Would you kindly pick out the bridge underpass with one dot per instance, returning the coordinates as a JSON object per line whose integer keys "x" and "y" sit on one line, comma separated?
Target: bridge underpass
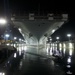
{"x": 36, "y": 29}
{"x": 32, "y": 56}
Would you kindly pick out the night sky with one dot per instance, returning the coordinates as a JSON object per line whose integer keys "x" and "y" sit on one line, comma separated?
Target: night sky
{"x": 42, "y": 7}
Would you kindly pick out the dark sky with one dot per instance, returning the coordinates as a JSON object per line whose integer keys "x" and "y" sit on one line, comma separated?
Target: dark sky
{"x": 42, "y": 6}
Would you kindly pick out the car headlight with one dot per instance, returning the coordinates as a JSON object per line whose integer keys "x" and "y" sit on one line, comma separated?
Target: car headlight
{"x": 2, "y": 73}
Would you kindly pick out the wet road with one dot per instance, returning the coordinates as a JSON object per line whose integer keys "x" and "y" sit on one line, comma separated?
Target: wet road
{"x": 29, "y": 63}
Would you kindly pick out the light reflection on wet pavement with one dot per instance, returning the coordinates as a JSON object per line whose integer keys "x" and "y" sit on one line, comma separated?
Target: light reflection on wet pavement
{"x": 30, "y": 63}
{"x": 27, "y": 64}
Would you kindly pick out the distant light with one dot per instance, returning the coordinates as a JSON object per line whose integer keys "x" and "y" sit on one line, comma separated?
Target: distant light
{"x": 69, "y": 60}
{"x": 15, "y": 38}
{"x": 64, "y": 50}
{"x": 69, "y": 72}
{"x": 57, "y": 38}
{"x": 7, "y": 35}
{"x": 68, "y": 35}
{"x": 14, "y": 45}
{"x": 19, "y": 29}
{"x": 70, "y": 45}
{"x": 7, "y": 44}
{"x": 68, "y": 66}
{"x": 15, "y": 55}
{"x": 2, "y": 73}
{"x": 64, "y": 45}
{"x": 53, "y": 30}
{"x": 60, "y": 48}
{"x": 23, "y": 34}
{"x": 11, "y": 44}
{"x": 60, "y": 45}
{"x": 8, "y": 61}
{"x": 50, "y": 39}
{"x": 19, "y": 39}
{"x": 70, "y": 52}
{"x": 3, "y": 21}
{"x": 25, "y": 47}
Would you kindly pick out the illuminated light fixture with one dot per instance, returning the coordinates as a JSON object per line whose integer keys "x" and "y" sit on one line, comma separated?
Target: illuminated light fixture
{"x": 60, "y": 48}
{"x": 53, "y": 30}
{"x": 70, "y": 52}
{"x": 15, "y": 55}
{"x": 23, "y": 34}
{"x": 69, "y": 35}
{"x": 60, "y": 45}
{"x": 64, "y": 50}
{"x": 7, "y": 44}
{"x": 7, "y": 35}
{"x": 69, "y": 60}
{"x": 70, "y": 45}
{"x": 8, "y": 62}
{"x": 15, "y": 38}
{"x": 64, "y": 45}
{"x": 68, "y": 66}
{"x": 57, "y": 38}
{"x": 19, "y": 39}
{"x": 50, "y": 39}
{"x": 19, "y": 29}
{"x": 2, "y": 73}
{"x": 3, "y": 21}
{"x": 69, "y": 73}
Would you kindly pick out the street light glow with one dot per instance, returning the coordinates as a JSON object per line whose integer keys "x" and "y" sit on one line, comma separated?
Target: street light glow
{"x": 15, "y": 38}
{"x": 3, "y": 21}
{"x": 68, "y": 35}
{"x": 19, "y": 39}
{"x": 50, "y": 39}
{"x": 7, "y": 35}
{"x": 69, "y": 60}
{"x": 53, "y": 30}
{"x": 57, "y": 38}
{"x": 19, "y": 29}
{"x": 23, "y": 34}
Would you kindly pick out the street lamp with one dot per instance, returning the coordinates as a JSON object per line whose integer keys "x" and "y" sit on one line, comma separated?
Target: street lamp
{"x": 53, "y": 30}
{"x": 2, "y": 21}
{"x": 7, "y": 35}
{"x": 15, "y": 38}
{"x": 50, "y": 40}
{"x": 20, "y": 39}
{"x": 69, "y": 35}
{"x": 57, "y": 38}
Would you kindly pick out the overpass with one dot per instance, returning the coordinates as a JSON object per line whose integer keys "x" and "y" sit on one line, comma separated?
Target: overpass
{"x": 35, "y": 54}
{"x": 36, "y": 29}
